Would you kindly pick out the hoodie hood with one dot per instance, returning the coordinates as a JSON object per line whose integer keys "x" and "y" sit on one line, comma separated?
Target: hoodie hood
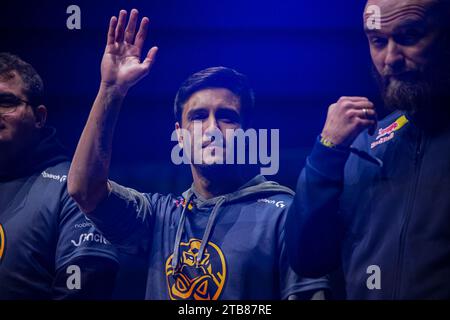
{"x": 47, "y": 153}
{"x": 256, "y": 187}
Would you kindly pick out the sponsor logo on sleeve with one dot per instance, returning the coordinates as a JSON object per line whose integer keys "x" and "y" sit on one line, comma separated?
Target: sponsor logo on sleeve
{"x": 57, "y": 177}
{"x": 83, "y": 225}
{"x": 386, "y": 134}
{"x": 90, "y": 237}
{"x": 278, "y": 204}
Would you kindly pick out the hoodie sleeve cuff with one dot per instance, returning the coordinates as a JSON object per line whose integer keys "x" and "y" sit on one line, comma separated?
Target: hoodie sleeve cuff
{"x": 327, "y": 161}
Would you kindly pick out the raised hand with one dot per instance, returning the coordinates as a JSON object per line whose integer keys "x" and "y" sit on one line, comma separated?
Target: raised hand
{"x": 121, "y": 65}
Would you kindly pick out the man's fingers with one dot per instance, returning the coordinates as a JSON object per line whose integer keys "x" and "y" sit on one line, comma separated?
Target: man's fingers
{"x": 369, "y": 118}
{"x": 371, "y": 115}
{"x": 142, "y": 33}
{"x": 368, "y": 114}
{"x": 363, "y": 113}
{"x": 362, "y": 104}
{"x": 120, "y": 29}
{"x": 354, "y": 99}
{"x": 150, "y": 58}
{"x": 111, "y": 31}
{"x": 131, "y": 27}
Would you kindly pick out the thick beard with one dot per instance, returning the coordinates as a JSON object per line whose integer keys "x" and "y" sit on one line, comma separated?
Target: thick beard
{"x": 428, "y": 90}
{"x": 411, "y": 96}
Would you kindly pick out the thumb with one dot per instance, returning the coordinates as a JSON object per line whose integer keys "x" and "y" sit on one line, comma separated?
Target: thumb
{"x": 150, "y": 58}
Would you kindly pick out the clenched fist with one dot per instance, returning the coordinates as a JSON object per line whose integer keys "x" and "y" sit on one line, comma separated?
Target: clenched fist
{"x": 347, "y": 118}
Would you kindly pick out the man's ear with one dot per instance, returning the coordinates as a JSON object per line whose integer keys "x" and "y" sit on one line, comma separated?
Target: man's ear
{"x": 179, "y": 134}
{"x": 40, "y": 113}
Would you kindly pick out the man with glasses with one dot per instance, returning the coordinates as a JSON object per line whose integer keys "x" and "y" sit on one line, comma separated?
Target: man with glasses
{"x": 47, "y": 248}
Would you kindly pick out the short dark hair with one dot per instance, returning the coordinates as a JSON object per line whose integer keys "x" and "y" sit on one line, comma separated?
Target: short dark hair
{"x": 217, "y": 77}
{"x": 33, "y": 84}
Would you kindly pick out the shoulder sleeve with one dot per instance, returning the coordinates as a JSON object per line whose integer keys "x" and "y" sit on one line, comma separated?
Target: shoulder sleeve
{"x": 313, "y": 228}
{"x": 126, "y": 218}
{"x": 96, "y": 279}
{"x": 77, "y": 236}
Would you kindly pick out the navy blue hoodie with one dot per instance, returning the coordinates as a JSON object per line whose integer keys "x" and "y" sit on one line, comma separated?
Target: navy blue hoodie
{"x": 387, "y": 226}
{"x": 42, "y": 233}
{"x": 230, "y": 247}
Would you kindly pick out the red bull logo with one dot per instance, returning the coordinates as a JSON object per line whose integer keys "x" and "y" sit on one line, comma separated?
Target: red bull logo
{"x": 388, "y": 133}
{"x": 197, "y": 281}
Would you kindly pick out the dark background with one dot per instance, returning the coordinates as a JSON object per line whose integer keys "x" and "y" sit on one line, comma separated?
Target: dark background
{"x": 300, "y": 56}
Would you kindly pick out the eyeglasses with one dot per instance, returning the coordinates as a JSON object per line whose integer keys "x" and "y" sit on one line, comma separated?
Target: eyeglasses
{"x": 9, "y": 103}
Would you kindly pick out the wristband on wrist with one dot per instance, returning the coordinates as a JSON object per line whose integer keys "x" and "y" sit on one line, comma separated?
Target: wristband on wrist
{"x": 327, "y": 143}
{"x": 362, "y": 154}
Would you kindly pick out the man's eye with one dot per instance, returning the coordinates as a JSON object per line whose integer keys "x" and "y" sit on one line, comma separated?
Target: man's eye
{"x": 410, "y": 37}
{"x": 229, "y": 117}
{"x": 7, "y": 104}
{"x": 228, "y": 120}
{"x": 378, "y": 41}
{"x": 197, "y": 117}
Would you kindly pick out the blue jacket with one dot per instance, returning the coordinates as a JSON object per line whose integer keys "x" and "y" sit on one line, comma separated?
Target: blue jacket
{"x": 387, "y": 226}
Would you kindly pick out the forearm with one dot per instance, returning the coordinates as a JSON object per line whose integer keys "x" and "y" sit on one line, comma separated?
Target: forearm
{"x": 88, "y": 175}
{"x": 121, "y": 68}
{"x": 313, "y": 227}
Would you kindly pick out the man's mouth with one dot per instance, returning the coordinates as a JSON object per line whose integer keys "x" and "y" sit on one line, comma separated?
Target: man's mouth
{"x": 406, "y": 76}
{"x": 211, "y": 144}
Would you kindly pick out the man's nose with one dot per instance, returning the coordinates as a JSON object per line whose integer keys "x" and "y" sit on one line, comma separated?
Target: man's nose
{"x": 211, "y": 124}
{"x": 394, "y": 58}
{"x": 211, "y": 129}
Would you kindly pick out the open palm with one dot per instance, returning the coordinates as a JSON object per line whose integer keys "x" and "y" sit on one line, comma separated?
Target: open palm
{"x": 121, "y": 64}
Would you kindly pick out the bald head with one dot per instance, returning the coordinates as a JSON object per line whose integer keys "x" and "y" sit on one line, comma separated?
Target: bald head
{"x": 402, "y": 3}
{"x": 436, "y": 10}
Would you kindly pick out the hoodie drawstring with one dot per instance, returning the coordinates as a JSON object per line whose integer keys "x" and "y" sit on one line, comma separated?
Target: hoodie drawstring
{"x": 206, "y": 235}
{"x": 176, "y": 249}
{"x": 259, "y": 186}
{"x": 209, "y": 226}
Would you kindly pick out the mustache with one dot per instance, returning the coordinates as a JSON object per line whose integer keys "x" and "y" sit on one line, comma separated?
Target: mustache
{"x": 387, "y": 76}
{"x": 404, "y": 76}
{"x": 210, "y": 142}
